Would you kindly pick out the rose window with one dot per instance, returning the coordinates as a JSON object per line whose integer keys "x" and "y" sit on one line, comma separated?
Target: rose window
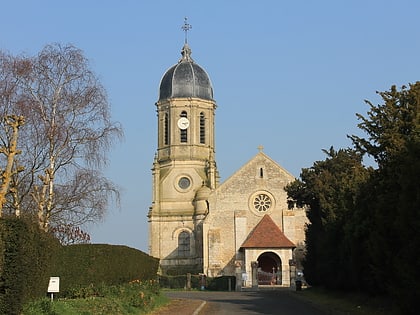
{"x": 184, "y": 182}
{"x": 262, "y": 202}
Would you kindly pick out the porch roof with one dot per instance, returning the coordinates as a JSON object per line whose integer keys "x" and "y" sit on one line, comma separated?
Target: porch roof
{"x": 267, "y": 234}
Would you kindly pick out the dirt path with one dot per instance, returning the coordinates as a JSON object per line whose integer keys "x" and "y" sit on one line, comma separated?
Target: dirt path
{"x": 179, "y": 306}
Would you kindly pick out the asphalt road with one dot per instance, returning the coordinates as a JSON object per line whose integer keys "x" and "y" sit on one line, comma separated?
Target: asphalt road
{"x": 278, "y": 302}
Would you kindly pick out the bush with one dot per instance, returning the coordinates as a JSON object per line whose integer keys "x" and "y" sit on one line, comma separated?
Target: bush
{"x": 129, "y": 298}
{"x": 221, "y": 283}
{"x": 29, "y": 257}
{"x": 42, "y": 306}
{"x": 182, "y": 270}
{"x": 213, "y": 284}
{"x": 177, "y": 282}
{"x": 84, "y": 265}
{"x": 26, "y": 258}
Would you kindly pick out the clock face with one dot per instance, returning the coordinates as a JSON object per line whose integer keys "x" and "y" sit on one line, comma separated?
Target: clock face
{"x": 183, "y": 123}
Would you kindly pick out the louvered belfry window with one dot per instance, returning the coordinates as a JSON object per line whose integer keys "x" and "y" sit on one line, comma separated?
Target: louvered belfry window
{"x": 202, "y": 128}
{"x": 184, "y": 134}
{"x": 166, "y": 129}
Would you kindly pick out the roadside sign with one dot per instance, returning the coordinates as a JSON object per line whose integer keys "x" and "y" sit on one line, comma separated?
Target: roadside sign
{"x": 54, "y": 285}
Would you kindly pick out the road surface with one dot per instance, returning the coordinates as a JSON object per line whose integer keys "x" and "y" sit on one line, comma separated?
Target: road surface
{"x": 276, "y": 302}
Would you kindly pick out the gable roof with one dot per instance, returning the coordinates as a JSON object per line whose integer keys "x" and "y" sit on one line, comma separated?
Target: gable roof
{"x": 267, "y": 234}
{"x": 260, "y": 156}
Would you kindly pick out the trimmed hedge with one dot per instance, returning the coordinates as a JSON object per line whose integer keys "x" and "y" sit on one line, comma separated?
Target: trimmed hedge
{"x": 85, "y": 265}
{"x": 182, "y": 270}
{"x": 29, "y": 257}
{"x": 178, "y": 282}
{"x": 211, "y": 284}
{"x": 221, "y": 283}
{"x": 26, "y": 259}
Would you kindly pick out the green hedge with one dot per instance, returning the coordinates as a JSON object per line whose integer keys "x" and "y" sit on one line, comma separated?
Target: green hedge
{"x": 221, "y": 283}
{"x": 26, "y": 259}
{"x": 97, "y": 264}
{"x": 29, "y": 257}
{"x": 182, "y": 270}
{"x": 212, "y": 284}
{"x": 178, "y": 282}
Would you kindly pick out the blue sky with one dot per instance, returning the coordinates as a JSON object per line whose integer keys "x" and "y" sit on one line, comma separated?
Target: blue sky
{"x": 288, "y": 75}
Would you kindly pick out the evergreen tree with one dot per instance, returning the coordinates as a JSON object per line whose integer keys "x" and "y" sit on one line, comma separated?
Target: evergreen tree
{"x": 328, "y": 190}
{"x": 391, "y": 222}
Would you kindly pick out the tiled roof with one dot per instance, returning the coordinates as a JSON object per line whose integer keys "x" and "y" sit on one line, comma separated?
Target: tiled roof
{"x": 267, "y": 235}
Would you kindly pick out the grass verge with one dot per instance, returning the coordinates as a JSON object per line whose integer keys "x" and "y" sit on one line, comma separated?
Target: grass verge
{"x": 339, "y": 302}
{"x": 133, "y": 298}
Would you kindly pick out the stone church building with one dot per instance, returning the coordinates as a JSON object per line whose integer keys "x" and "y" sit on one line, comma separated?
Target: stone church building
{"x": 241, "y": 227}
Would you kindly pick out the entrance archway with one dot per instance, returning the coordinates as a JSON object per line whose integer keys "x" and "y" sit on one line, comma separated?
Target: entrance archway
{"x": 269, "y": 269}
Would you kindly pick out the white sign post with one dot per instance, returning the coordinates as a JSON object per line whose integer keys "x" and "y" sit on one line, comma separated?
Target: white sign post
{"x": 54, "y": 286}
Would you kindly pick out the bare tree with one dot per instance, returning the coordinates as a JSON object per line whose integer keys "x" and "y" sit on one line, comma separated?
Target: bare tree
{"x": 9, "y": 132}
{"x": 12, "y": 123}
{"x": 67, "y": 136}
{"x": 69, "y": 234}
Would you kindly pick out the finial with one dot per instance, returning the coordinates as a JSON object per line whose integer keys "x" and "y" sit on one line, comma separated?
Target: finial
{"x": 260, "y": 148}
{"x": 186, "y": 27}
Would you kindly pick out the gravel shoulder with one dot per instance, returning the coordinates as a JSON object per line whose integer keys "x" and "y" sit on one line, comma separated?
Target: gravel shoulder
{"x": 178, "y": 306}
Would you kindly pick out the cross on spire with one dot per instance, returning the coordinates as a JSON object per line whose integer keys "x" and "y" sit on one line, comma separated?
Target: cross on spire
{"x": 186, "y": 27}
{"x": 260, "y": 148}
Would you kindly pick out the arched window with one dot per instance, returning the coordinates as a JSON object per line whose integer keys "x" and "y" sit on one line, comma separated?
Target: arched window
{"x": 261, "y": 172}
{"x": 166, "y": 129}
{"x": 202, "y": 128}
{"x": 184, "y": 244}
{"x": 183, "y": 132}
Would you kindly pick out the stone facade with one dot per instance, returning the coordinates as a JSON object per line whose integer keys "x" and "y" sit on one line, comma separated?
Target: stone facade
{"x": 197, "y": 224}
{"x": 235, "y": 210}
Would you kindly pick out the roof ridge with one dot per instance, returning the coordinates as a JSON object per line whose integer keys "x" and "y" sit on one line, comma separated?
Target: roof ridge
{"x": 267, "y": 234}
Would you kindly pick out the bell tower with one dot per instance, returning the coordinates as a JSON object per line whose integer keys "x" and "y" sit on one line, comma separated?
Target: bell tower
{"x": 184, "y": 169}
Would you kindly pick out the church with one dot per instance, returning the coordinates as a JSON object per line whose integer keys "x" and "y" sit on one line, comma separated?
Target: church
{"x": 241, "y": 227}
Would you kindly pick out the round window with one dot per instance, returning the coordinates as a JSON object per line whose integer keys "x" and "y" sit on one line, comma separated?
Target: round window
{"x": 262, "y": 202}
{"x": 184, "y": 182}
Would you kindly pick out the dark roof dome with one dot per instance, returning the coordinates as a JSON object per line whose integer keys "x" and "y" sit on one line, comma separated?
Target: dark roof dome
{"x": 186, "y": 79}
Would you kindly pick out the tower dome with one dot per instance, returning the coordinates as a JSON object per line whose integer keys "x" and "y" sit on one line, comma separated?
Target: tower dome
{"x": 186, "y": 79}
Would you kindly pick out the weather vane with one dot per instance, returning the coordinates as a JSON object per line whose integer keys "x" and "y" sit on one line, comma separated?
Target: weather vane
{"x": 186, "y": 27}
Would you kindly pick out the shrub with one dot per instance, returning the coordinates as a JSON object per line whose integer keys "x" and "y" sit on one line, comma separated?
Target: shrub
{"x": 128, "y": 298}
{"x": 84, "y": 265}
{"x": 175, "y": 282}
{"x": 221, "y": 283}
{"x": 180, "y": 282}
{"x": 27, "y": 257}
{"x": 41, "y": 306}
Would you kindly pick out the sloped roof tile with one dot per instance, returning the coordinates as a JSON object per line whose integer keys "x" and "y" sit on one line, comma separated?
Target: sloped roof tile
{"x": 267, "y": 234}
